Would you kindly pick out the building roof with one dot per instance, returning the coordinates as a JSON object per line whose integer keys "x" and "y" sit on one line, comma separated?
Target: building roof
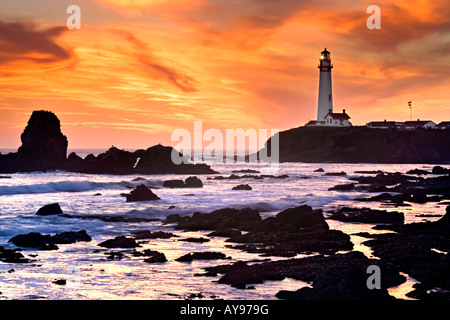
{"x": 417, "y": 123}
{"x": 444, "y": 124}
{"x": 338, "y": 116}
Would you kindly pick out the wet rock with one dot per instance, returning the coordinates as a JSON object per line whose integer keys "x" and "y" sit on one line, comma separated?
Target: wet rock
{"x": 12, "y": 256}
{"x": 228, "y": 232}
{"x": 440, "y": 170}
{"x": 119, "y": 242}
{"x": 191, "y": 182}
{"x": 245, "y": 171}
{"x": 47, "y": 242}
{"x": 173, "y": 218}
{"x": 201, "y": 256}
{"x": 330, "y": 276}
{"x": 112, "y": 255}
{"x": 367, "y": 215}
{"x": 319, "y": 170}
{"x": 147, "y": 234}
{"x": 31, "y": 240}
{"x": 60, "y": 282}
{"x": 195, "y": 240}
{"x": 411, "y": 249}
{"x": 70, "y": 237}
{"x": 224, "y": 218}
{"x": 49, "y": 209}
{"x": 343, "y": 187}
{"x": 154, "y": 256}
{"x": 417, "y": 171}
{"x": 242, "y": 187}
{"x": 336, "y": 174}
{"x": 141, "y": 193}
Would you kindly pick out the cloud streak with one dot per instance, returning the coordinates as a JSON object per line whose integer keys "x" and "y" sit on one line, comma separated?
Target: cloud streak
{"x": 156, "y": 69}
{"x": 23, "y": 41}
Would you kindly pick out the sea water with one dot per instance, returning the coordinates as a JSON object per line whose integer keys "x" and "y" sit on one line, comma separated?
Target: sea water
{"x": 89, "y": 274}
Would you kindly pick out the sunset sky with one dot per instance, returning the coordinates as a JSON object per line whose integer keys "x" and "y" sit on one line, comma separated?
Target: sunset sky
{"x": 138, "y": 69}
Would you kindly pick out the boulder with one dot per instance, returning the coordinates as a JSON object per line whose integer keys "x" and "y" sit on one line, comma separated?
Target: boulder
{"x": 343, "y": 187}
{"x": 154, "y": 256}
{"x": 301, "y": 217}
{"x": 440, "y": 170}
{"x": 119, "y": 242}
{"x": 367, "y": 215}
{"x": 319, "y": 170}
{"x": 147, "y": 234}
{"x": 201, "y": 256}
{"x": 242, "y": 187}
{"x": 12, "y": 256}
{"x": 342, "y": 173}
{"x": 141, "y": 193}
{"x": 191, "y": 182}
{"x": 47, "y": 242}
{"x": 49, "y": 209}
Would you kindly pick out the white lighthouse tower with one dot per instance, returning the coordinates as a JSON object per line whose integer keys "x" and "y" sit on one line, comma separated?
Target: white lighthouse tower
{"x": 325, "y": 92}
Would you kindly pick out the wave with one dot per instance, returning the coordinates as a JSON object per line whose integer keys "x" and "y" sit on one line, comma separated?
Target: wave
{"x": 63, "y": 186}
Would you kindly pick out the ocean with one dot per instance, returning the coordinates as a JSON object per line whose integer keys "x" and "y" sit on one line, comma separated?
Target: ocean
{"x": 91, "y": 275}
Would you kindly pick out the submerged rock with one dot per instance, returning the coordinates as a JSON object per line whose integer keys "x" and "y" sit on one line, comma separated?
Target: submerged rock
{"x": 12, "y": 256}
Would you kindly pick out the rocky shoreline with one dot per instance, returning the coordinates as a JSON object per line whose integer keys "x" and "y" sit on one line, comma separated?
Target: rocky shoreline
{"x": 332, "y": 268}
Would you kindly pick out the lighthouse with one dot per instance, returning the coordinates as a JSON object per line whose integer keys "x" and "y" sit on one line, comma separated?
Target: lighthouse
{"x": 325, "y": 92}
{"x": 325, "y": 114}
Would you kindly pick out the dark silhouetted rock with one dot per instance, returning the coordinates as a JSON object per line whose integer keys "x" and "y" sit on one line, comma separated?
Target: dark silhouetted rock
{"x": 12, "y": 256}
{"x": 440, "y": 170}
{"x": 245, "y": 171}
{"x": 154, "y": 256}
{"x": 147, "y": 234}
{"x": 43, "y": 147}
{"x": 119, "y": 242}
{"x": 49, "y": 209}
{"x": 367, "y": 215}
{"x": 319, "y": 170}
{"x": 417, "y": 171}
{"x": 71, "y": 237}
{"x": 343, "y": 187}
{"x": 242, "y": 187}
{"x": 60, "y": 282}
{"x": 242, "y": 219}
{"x": 47, "y": 242}
{"x": 141, "y": 193}
{"x": 31, "y": 240}
{"x": 195, "y": 240}
{"x": 335, "y": 174}
{"x": 201, "y": 256}
{"x": 229, "y": 232}
{"x": 191, "y": 182}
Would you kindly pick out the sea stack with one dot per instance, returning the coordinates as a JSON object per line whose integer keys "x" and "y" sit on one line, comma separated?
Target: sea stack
{"x": 43, "y": 148}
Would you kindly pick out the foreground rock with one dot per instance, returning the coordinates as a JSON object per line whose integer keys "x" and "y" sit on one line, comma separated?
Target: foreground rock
{"x": 147, "y": 234}
{"x": 119, "y": 242}
{"x": 141, "y": 193}
{"x": 201, "y": 256}
{"x": 47, "y": 242}
{"x": 367, "y": 215}
{"x": 341, "y": 276}
{"x": 49, "y": 209}
{"x": 12, "y": 256}
{"x": 241, "y": 219}
{"x": 419, "y": 249}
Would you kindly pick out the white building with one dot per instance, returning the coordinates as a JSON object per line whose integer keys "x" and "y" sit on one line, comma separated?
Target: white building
{"x": 419, "y": 124}
{"x": 325, "y": 114}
